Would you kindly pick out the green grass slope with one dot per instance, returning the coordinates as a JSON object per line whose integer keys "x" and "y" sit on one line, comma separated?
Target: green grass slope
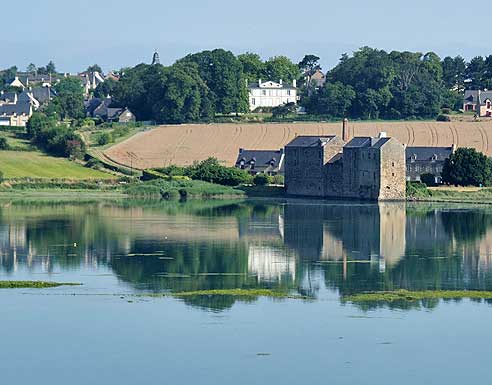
{"x": 16, "y": 164}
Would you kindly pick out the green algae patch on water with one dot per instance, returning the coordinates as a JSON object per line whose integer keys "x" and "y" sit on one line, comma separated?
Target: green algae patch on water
{"x": 33, "y": 284}
{"x": 411, "y": 296}
{"x": 244, "y": 293}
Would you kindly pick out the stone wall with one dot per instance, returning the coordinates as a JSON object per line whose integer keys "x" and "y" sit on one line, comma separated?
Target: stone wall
{"x": 393, "y": 171}
{"x": 304, "y": 171}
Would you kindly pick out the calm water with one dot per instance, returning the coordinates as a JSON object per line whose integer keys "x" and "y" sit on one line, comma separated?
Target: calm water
{"x": 99, "y": 334}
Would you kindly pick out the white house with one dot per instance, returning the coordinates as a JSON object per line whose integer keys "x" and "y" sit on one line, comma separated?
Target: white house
{"x": 271, "y": 94}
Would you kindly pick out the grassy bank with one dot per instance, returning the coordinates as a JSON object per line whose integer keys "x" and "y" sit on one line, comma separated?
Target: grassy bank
{"x": 33, "y": 284}
{"x": 34, "y": 164}
{"x": 411, "y": 296}
{"x": 419, "y": 192}
{"x": 175, "y": 189}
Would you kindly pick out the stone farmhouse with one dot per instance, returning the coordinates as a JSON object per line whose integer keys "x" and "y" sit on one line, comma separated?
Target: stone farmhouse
{"x": 427, "y": 160}
{"x": 361, "y": 168}
{"x": 271, "y": 94}
{"x": 479, "y": 102}
{"x": 268, "y": 162}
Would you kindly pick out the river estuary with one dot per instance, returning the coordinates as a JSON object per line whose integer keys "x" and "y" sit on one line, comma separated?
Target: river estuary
{"x": 115, "y": 329}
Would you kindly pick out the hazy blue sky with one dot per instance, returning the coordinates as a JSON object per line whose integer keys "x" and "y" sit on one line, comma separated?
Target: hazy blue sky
{"x": 122, "y": 33}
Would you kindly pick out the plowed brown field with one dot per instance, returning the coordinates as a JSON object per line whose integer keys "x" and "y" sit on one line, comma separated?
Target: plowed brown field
{"x": 183, "y": 144}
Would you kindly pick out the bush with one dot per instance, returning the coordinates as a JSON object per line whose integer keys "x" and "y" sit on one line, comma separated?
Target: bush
{"x": 3, "y": 143}
{"x": 262, "y": 180}
{"x": 210, "y": 170}
{"x": 446, "y": 110}
{"x": 104, "y": 138}
{"x": 56, "y": 139}
{"x": 428, "y": 179}
{"x": 278, "y": 180}
{"x": 94, "y": 163}
{"x": 443, "y": 118}
{"x": 417, "y": 190}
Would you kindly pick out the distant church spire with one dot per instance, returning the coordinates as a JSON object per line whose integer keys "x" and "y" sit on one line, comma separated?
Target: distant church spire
{"x": 155, "y": 58}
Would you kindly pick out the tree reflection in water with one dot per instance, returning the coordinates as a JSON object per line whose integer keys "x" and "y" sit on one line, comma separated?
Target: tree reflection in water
{"x": 293, "y": 246}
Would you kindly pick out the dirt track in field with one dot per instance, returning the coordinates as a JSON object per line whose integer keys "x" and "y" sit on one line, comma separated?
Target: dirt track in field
{"x": 184, "y": 144}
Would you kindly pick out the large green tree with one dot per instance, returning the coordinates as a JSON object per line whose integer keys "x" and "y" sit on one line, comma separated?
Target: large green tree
{"x": 281, "y": 68}
{"x": 69, "y": 101}
{"x": 467, "y": 167}
{"x": 222, "y": 72}
{"x": 253, "y": 66}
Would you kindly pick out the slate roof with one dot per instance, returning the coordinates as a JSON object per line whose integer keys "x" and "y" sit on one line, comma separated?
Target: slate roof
{"x": 471, "y": 96}
{"x": 42, "y": 94}
{"x": 425, "y": 154}
{"x": 366, "y": 141}
{"x": 19, "y": 109}
{"x": 113, "y": 113}
{"x": 309, "y": 141}
{"x": 7, "y": 96}
{"x": 261, "y": 157}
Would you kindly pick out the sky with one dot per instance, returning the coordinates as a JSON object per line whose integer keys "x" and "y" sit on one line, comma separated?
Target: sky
{"x": 116, "y": 34}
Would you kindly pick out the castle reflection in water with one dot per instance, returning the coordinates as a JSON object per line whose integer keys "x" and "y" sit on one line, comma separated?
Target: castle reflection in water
{"x": 346, "y": 246}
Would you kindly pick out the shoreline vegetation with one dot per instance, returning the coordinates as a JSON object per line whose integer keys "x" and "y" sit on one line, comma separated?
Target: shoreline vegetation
{"x": 34, "y": 284}
{"x": 161, "y": 189}
{"x": 413, "y": 296}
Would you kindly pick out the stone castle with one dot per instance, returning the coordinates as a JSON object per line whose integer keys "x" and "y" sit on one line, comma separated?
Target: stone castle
{"x": 361, "y": 168}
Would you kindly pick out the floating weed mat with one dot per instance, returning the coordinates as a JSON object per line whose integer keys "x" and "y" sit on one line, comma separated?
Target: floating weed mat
{"x": 33, "y": 284}
{"x": 253, "y": 293}
{"x": 411, "y": 296}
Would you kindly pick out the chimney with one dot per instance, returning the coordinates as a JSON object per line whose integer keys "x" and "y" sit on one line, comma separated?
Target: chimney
{"x": 259, "y": 82}
{"x": 479, "y": 102}
{"x": 280, "y": 82}
{"x": 345, "y": 131}
{"x": 453, "y": 148}
{"x": 241, "y": 150}
{"x": 294, "y": 83}
{"x": 383, "y": 135}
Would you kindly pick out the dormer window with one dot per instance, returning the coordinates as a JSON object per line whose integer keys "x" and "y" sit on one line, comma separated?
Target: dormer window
{"x": 413, "y": 158}
{"x": 434, "y": 157}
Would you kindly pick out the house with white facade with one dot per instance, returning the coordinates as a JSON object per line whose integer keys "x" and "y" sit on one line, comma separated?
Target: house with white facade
{"x": 271, "y": 94}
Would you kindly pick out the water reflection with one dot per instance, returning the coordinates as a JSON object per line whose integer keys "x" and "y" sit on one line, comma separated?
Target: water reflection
{"x": 306, "y": 247}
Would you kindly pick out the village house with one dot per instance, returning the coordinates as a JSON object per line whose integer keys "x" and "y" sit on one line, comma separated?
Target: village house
{"x": 15, "y": 115}
{"x": 90, "y": 81}
{"x": 426, "y": 160}
{"x": 270, "y": 162}
{"x": 479, "y": 102}
{"x": 362, "y": 168}
{"x": 102, "y": 109}
{"x": 271, "y": 94}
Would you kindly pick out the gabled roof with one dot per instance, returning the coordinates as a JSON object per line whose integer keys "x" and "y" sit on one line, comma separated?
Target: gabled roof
{"x": 471, "y": 96}
{"x": 310, "y": 141}
{"x": 113, "y": 113}
{"x": 19, "y": 108}
{"x": 260, "y": 157}
{"x": 42, "y": 94}
{"x": 428, "y": 153}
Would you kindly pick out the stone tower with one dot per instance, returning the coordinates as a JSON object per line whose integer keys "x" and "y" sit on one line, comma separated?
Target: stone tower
{"x": 155, "y": 58}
